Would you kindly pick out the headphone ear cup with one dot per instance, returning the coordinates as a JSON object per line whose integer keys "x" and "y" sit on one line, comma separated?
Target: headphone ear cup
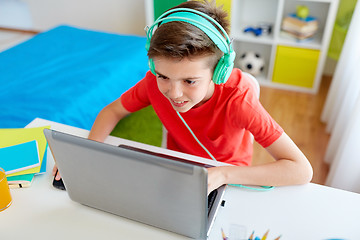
{"x": 217, "y": 79}
{"x": 152, "y": 66}
{"x": 227, "y": 72}
{"x": 223, "y": 68}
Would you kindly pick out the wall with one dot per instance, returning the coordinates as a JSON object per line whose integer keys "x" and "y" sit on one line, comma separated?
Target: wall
{"x": 118, "y": 16}
{"x": 330, "y": 66}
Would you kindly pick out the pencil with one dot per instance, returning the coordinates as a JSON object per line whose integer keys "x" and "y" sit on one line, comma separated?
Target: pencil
{"x": 19, "y": 185}
{"x": 223, "y": 234}
{"x": 278, "y": 238}
{"x": 265, "y": 235}
{"x": 252, "y": 236}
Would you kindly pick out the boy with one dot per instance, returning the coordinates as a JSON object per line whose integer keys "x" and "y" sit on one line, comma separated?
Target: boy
{"x": 184, "y": 59}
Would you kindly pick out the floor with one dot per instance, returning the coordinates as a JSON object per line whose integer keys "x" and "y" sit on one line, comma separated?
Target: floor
{"x": 299, "y": 115}
{"x": 11, "y": 38}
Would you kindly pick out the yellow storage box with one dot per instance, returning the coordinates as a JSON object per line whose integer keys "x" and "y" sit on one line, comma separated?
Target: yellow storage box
{"x": 295, "y": 66}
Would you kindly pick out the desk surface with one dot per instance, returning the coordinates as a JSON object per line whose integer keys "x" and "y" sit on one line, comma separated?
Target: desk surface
{"x": 9, "y": 39}
{"x": 296, "y": 212}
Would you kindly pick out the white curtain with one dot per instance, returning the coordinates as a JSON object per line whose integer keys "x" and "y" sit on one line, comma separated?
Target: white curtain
{"x": 342, "y": 113}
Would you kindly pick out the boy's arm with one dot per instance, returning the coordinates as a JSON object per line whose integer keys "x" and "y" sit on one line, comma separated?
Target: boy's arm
{"x": 290, "y": 168}
{"x": 106, "y": 120}
{"x": 104, "y": 123}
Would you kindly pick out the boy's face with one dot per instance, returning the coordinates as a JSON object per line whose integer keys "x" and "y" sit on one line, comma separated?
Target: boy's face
{"x": 186, "y": 83}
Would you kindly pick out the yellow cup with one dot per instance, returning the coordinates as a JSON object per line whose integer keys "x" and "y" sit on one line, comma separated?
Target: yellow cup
{"x": 5, "y": 197}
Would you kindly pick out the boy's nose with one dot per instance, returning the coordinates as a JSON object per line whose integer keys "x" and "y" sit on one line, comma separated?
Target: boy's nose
{"x": 175, "y": 91}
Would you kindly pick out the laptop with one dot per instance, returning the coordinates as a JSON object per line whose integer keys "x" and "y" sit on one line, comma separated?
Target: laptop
{"x": 156, "y": 189}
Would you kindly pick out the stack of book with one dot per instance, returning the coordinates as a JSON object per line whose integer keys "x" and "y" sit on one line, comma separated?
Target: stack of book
{"x": 299, "y": 28}
{"x": 22, "y": 154}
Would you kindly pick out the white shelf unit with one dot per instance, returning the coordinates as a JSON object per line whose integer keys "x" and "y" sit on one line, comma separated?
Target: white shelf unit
{"x": 247, "y": 13}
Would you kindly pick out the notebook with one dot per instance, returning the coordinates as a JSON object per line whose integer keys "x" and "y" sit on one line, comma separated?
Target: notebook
{"x": 19, "y": 157}
{"x": 12, "y": 136}
{"x": 158, "y": 190}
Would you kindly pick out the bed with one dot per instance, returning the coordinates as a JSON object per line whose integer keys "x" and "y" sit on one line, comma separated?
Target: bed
{"x": 68, "y": 75}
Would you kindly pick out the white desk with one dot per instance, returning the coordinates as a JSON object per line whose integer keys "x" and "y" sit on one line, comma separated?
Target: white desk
{"x": 297, "y": 212}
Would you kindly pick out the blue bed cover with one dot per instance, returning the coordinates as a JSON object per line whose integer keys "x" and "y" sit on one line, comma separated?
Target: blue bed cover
{"x": 67, "y": 75}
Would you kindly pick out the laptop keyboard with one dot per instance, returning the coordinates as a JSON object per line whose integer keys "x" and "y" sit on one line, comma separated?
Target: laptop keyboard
{"x": 211, "y": 199}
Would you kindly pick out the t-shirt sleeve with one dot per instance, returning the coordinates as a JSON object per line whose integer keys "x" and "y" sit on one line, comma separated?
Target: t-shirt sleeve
{"x": 253, "y": 117}
{"x": 264, "y": 128}
{"x": 137, "y": 97}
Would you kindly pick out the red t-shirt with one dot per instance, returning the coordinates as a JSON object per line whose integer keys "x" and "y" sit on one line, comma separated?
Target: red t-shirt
{"x": 222, "y": 124}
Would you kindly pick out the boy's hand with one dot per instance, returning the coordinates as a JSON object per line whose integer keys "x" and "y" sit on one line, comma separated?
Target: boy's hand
{"x": 216, "y": 178}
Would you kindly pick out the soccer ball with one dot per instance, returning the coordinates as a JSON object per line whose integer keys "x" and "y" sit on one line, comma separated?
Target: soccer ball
{"x": 252, "y": 62}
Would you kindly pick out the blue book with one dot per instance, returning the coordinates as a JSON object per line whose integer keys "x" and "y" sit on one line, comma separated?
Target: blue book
{"x": 307, "y": 19}
{"x": 43, "y": 163}
{"x": 19, "y": 157}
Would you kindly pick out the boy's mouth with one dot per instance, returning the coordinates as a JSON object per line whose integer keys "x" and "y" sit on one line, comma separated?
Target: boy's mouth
{"x": 178, "y": 103}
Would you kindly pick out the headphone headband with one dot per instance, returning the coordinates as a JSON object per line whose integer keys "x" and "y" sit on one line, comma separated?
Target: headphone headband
{"x": 199, "y": 20}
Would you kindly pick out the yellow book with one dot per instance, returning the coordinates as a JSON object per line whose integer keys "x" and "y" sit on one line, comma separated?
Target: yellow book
{"x": 13, "y": 136}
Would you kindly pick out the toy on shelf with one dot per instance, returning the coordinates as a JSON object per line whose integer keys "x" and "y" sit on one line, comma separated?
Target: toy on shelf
{"x": 252, "y": 63}
{"x": 302, "y": 11}
{"x": 258, "y": 30}
{"x": 300, "y": 25}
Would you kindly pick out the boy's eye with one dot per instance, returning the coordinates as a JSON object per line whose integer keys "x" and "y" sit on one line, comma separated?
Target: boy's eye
{"x": 162, "y": 77}
{"x": 190, "y": 82}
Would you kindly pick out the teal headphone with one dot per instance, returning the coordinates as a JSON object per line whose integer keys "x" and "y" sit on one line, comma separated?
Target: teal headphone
{"x": 203, "y": 22}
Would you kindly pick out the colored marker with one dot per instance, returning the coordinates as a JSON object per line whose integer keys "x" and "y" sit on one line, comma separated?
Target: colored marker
{"x": 252, "y": 236}
{"x": 265, "y": 235}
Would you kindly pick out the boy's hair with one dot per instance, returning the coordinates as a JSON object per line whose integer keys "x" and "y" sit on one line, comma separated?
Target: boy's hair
{"x": 180, "y": 40}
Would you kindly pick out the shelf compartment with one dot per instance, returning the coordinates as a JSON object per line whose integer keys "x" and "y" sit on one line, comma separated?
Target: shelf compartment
{"x": 248, "y": 13}
{"x": 318, "y": 9}
{"x": 264, "y": 50}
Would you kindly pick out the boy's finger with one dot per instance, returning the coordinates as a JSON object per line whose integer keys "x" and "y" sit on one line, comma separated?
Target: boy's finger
{"x": 54, "y": 170}
{"x": 57, "y": 177}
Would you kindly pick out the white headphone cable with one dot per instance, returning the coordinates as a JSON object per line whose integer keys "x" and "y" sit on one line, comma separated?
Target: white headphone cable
{"x": 194, "y": 136}
{"x": 262, "y": 188}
